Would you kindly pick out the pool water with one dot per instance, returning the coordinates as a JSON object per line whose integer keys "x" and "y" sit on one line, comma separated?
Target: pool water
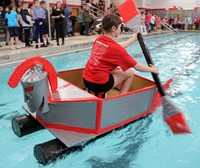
{"x": 142, "y": 144}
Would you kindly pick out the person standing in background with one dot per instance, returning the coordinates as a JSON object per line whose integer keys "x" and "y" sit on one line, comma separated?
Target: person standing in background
{"x": 58, "y": 16}
{"x": 152, "y": 22}
{"x": 196, "y": 23}
{"x": 142, "y": 16}
{"x": 46, "y": 23}
{"x": 189, "y": 23}
{"x": 39, "y": 17}
{"x": 26, "y": 21}
{"x": 81, "y": 25}
{"x": 6, "y": 27}
{"x": 13, "y": 27}
{"x": 18, "y": 10}
{"x": 147, "y": 21}
{"x": 30, "y": 10}
{"x": 186, "y": 23}
{"x": 67, "y": 14}
{"x": 73, "y": 19}
{"x": 86, "y": 19}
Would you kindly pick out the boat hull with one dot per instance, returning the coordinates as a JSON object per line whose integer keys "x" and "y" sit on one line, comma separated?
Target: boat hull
{"x": 77, "y": 121}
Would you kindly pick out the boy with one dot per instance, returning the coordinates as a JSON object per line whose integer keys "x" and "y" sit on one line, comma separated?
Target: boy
{"x": 109, "y": 64}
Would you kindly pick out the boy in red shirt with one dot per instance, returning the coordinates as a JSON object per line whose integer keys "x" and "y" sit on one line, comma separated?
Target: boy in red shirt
{"x": 109, "y": 64}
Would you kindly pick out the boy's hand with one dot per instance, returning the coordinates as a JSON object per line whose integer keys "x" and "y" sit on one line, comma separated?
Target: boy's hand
{"x": 154, "y": 69}
{"x": 135, "y": 36}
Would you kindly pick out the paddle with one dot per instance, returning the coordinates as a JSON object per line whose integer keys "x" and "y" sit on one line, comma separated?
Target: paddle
{"x": 171, "y": 114}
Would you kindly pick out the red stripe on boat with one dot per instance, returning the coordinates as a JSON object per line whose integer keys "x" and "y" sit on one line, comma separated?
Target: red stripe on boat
{"x": 98, "y": 114}
{"x": 64, "y": 127}
{"x": 29, "y": 63}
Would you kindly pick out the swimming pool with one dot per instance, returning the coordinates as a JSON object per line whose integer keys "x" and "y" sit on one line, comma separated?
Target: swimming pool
{"x": 142, "y": 144}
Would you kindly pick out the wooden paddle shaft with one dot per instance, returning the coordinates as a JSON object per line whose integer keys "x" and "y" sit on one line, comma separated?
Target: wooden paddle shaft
{"x": 150, "y": 61}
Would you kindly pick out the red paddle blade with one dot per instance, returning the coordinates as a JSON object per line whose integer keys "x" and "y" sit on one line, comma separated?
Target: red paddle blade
{"x": 174, "y": 118}
{"x": 178, "y": 124}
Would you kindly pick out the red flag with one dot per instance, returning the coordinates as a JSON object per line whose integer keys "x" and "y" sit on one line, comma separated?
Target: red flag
{"x": 128, "y": 10}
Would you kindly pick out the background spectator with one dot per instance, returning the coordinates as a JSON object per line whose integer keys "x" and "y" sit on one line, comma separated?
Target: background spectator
{"x": 26, "y": 21}
{"x": 67, "y": 14}
{"x": 86, "y": 19}
{"x": 46, "y": 23}
{"x": 39, "y": 17}
{"x": 73, "y": 20}
{"x": 58, "y": 15}
{"x": 13, "y": 26}
{"x": 81, "y": 25}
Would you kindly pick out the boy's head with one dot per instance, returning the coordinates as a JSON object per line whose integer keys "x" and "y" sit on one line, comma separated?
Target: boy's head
{"x": 109, "y": 21}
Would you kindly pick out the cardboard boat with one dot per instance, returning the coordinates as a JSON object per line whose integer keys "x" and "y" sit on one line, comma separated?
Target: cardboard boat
{"x": 60, "y": 103}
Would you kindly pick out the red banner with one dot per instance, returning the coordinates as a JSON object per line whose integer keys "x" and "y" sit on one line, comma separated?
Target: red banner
{"x": 128, "y": 10}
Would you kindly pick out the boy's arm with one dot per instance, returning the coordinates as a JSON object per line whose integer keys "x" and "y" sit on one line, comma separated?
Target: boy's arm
{"x": 129, "y": 42}
{"x": 144, "y": 68}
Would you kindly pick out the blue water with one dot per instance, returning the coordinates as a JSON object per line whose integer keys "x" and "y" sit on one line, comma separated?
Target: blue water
{"x": 142, "y": 144}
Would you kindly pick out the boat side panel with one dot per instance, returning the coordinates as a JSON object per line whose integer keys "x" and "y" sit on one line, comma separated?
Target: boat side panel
{"x": 126, "y": 107}
{"x": 74, "y": 114}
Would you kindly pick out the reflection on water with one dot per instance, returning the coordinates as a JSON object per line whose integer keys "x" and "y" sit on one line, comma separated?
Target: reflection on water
{"x": 9, "y": 115}
{"x": 130, "y": 139}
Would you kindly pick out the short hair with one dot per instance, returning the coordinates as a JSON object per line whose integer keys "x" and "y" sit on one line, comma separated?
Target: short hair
{"x": 42, "y": 2}
{"x": 109, "y": 21}
{"x": 10, "y": 7}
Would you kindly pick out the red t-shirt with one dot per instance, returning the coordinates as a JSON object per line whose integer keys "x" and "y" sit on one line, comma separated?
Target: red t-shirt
{"x": 147, "y": 19}
{"x": 105, "y": 56}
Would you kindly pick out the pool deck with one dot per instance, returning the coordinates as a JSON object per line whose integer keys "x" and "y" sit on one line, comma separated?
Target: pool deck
{"x": 9, "y": 57}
